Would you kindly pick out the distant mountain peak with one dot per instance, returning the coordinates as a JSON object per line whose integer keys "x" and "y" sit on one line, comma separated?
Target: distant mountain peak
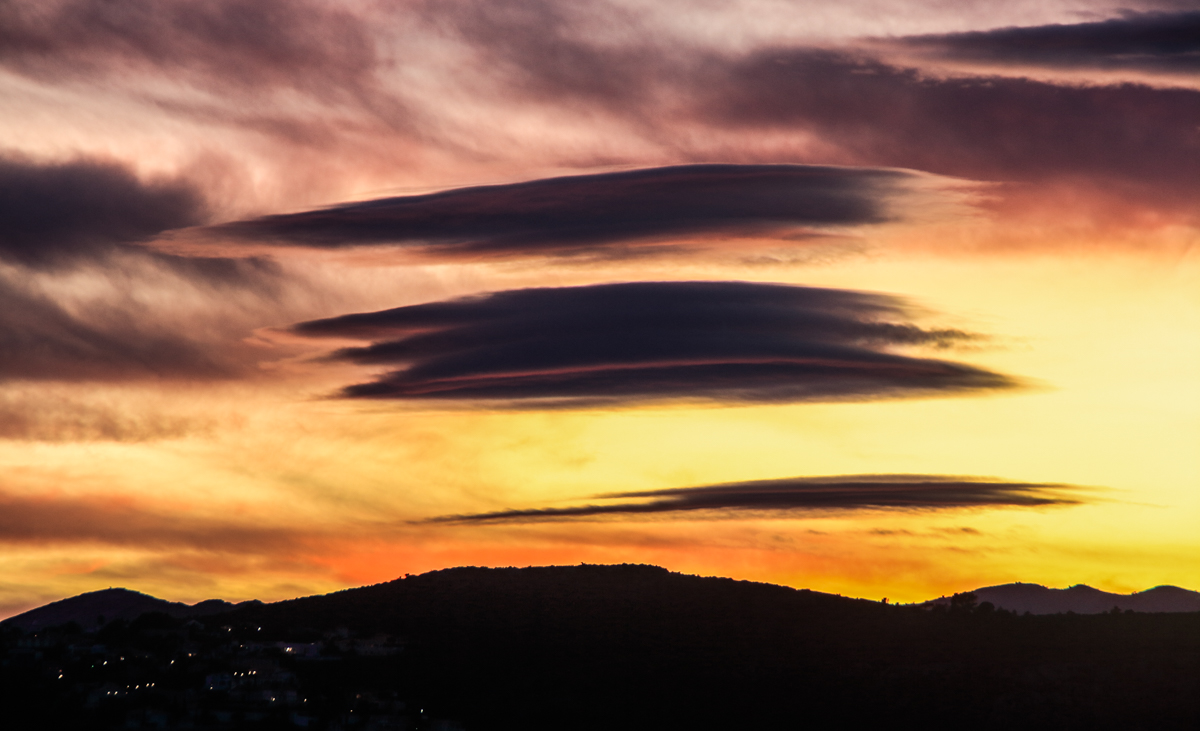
{"x": 95, "y": 608}
{"x": 1083, "y": 599}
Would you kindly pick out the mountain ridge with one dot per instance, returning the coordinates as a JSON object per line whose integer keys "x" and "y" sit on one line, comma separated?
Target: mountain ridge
{"x": 91, "y": 610}
{"x": 595, "y": 647}
{"x": 1022, "y": 597}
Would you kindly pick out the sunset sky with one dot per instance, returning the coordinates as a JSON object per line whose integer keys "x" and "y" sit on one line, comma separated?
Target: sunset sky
{"x": 875, "y": 298}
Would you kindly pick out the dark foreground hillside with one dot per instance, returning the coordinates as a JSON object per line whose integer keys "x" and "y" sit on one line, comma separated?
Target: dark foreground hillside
{"x": 637, "y": 647}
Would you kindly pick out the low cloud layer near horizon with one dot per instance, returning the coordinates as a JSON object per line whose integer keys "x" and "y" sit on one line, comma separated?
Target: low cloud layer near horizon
{"x": 644, "y": 341}
{"x": 801, "y": 495}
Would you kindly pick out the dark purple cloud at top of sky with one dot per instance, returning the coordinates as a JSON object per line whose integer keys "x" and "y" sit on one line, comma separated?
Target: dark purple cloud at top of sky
{"x": 1163, "y": 42}
{"x": 1140, "y": 139}
{"x": 614, "y": 344}
{"x": 680, "y": 94}
{"x": 798, "y": 495}
{"x": 1135, "y": 142}
{"x": 1138, "y": 142}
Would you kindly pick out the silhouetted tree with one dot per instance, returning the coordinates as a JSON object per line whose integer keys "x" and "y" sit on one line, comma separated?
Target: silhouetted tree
{"x": 964, "y": 602}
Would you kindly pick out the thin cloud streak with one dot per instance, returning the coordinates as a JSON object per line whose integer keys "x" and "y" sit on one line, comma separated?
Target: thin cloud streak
{"x": 585, "y": 213}
{"x": 1159, "y": 42}
{"x": 801, "y": 495}
{"x": 730, "y": 342}
{"x": 43, "y": 417}
{"x": 46, "y": 520}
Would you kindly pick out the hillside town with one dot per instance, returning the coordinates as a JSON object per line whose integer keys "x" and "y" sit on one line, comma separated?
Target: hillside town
{"x": 163, "y": 672}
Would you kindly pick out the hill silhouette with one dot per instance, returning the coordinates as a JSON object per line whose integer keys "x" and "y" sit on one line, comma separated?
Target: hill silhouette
{"x": 601, "y": 647}
{"x": 1082, "y": 599}
{"x": 95, "y": 608}
{"x": 592, "y": 647}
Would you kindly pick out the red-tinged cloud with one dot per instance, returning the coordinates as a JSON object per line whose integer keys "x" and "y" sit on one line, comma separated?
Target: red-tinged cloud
{"x": 799, "y": 495}
{"x": 1157, "y": 42}
{"x": 60, "y": 520}
{"x": 731, "y": 342}
{"x": 602, "y": 213}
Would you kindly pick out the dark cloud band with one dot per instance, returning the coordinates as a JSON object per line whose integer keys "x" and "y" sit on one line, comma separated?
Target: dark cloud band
{"x": 1161, "y": 42}
{"x": 53, "y": 213}
{"x": 1140, "y": 139}
{"x": 569, "y": 214}
{"x": 622, "y": 343}
{"x": 800, "y": 494}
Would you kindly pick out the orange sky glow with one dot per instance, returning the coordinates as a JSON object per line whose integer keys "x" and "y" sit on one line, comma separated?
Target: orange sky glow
{"x": 875, "y": 299}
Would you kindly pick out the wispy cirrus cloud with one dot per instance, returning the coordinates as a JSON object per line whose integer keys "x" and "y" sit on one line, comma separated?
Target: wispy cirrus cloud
{"x": 220, "y": 45}
{"x": 735, "y": 342}
{"x": 548, "y": 51}
{"x": 83, "y": 296}
{"x": 800, "y": 495}
{"x": 602, "y": 212}
{"x": 40, "y": 340}
{"x": 36, "y": 415}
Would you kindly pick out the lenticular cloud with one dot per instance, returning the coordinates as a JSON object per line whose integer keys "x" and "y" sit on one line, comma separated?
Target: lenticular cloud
{"x": 800, "y": 495}
{"x": 734, "y": 342}
{"x": 567, "y": 215}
